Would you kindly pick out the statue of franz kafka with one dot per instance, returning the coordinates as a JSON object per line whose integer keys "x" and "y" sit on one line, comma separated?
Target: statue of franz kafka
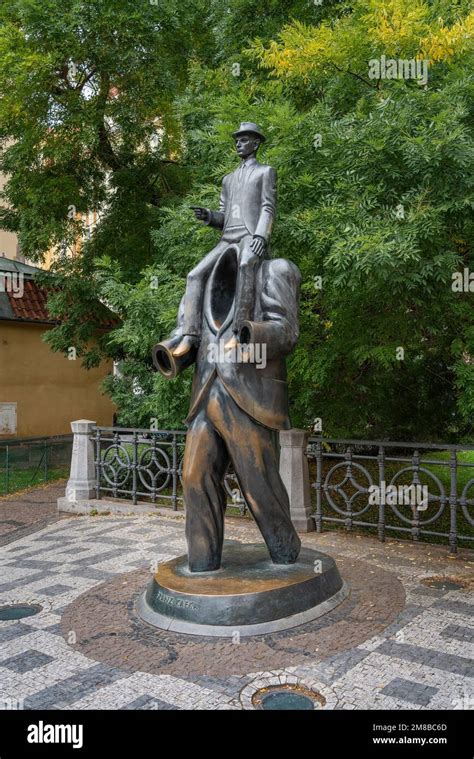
{"x": 237, "y": 296}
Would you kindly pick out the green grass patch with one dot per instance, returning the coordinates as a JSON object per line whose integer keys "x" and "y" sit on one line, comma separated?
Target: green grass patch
{"x": 20, "y": 479}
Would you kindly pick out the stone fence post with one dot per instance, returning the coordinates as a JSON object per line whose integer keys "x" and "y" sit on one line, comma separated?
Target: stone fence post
{"x": 294, "y": 471}
{"x": 82, "y": 482}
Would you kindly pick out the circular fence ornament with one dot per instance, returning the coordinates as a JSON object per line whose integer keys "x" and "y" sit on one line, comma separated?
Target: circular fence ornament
{"x": 154, "y": 469}
{"x": 115, "y": 465}
{"x": 415, "y": 514}
{"x": 359, "y": 490}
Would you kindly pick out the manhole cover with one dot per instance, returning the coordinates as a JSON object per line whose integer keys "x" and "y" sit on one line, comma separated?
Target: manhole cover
{"x": 443, "y": 583}
{"x": 289, "y": 697}
{"x": 18, "y": 611}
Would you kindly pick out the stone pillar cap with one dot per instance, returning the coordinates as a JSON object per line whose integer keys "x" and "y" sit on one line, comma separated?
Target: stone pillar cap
{"x": 293, "y": 437}
{"x": 81, "y": 425}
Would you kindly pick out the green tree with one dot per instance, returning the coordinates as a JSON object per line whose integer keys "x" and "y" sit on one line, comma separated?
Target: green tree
{"x": 375, "y": 207}
{"x": 88, "y": 124}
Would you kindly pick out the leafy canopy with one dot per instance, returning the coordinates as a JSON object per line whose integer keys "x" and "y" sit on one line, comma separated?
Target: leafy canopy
{"x": 374, "y": 179}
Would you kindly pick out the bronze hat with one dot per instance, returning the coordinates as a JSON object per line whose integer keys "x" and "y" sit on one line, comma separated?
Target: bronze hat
{"x": 248, "y": 127}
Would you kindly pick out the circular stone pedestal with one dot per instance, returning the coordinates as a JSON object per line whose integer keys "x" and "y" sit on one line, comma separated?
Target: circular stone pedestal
{"x": 248, "y": 595}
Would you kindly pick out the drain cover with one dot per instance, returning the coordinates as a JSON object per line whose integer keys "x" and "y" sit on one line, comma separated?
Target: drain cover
{"x": 288, "y": 697}
{"x": 288, "y": 700}
{"x": 443, "y": 583}
{"x": 18, "y": 611}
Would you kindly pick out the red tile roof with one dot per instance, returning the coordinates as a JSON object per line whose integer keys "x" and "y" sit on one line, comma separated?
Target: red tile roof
{"x": 32, "y": 305}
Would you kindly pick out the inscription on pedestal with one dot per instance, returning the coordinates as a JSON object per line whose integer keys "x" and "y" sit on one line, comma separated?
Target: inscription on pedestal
{"x": 178, "y": 602}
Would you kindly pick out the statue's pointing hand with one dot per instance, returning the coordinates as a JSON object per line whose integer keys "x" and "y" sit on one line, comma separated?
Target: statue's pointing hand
{"x": 201, "y": 213}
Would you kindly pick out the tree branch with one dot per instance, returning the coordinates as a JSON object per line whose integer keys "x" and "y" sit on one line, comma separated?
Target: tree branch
{"x": 105, "y": 150}
{"x": 353, "y": 73}
{"x": 80, "y": 86}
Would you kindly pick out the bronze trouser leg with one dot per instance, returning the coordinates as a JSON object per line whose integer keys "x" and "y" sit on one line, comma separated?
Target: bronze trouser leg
{"x": 195, "y": 286}
{"x": 204, "y": 466}
{"x": 253, "y": 453}
{"x": 245, "y": 294}
{"x": 220, "y": 430}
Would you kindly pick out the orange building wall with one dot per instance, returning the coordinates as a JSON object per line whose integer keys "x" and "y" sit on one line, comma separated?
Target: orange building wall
{"x": 50, "y": 390}
{"x": 8, "y": 241}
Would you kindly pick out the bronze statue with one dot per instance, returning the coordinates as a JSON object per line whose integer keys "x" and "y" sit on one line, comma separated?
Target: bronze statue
{"x": 237, "y": 406}
{"x": 245, "y": 216}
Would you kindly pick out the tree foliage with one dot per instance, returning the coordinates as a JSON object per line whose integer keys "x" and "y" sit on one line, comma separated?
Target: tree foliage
{"x": 375, "y": 180}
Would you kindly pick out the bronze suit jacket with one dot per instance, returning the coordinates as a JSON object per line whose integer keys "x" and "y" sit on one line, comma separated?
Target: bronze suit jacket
{"x": 256, "y": 196}
{"x": 261, "y": 392}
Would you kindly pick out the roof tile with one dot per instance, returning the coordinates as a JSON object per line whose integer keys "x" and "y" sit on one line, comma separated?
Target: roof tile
{"x": 32, "y": 305}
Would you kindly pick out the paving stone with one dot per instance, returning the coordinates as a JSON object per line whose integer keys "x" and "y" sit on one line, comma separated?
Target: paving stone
{"x": 449, "y": 662}
{"x": 458, "y": 632}
{"x": 89, "y": 573}
{"x": 97, "y": 558}
{"x": 75, "y": 550}
{"x": 22, "y": 581}
{"x": 408, "y": 690}
{"x": 26, "y": 661}
{"x": 458, "y": 607}
{"x": 73, "y": 688}
{"x": 111, "y": 541}
{"x": 33, "y": 563}
{"x": 148, "y": 702}
{"x": 376, "y": 651}
{"x": 59, "y": 538}
{"x": 11, "y": 631}
{"x": 55, "y": 590}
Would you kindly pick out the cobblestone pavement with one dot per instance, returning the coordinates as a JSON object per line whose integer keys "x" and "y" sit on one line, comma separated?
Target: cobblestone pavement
{"x": 400, "y": 640}
{"x": 28, "y": 511}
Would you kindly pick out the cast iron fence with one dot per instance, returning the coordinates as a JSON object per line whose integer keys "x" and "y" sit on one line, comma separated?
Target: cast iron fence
{"x": 356, "y": 494}
{"x": 143, "y": 464}
{"x": 31, "y": 461}
{"x": 146, "y": 464}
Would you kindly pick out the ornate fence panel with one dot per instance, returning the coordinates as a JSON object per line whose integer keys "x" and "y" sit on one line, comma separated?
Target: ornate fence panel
{"x": 146, "y": 464}
{"x": 420, "y": 489}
